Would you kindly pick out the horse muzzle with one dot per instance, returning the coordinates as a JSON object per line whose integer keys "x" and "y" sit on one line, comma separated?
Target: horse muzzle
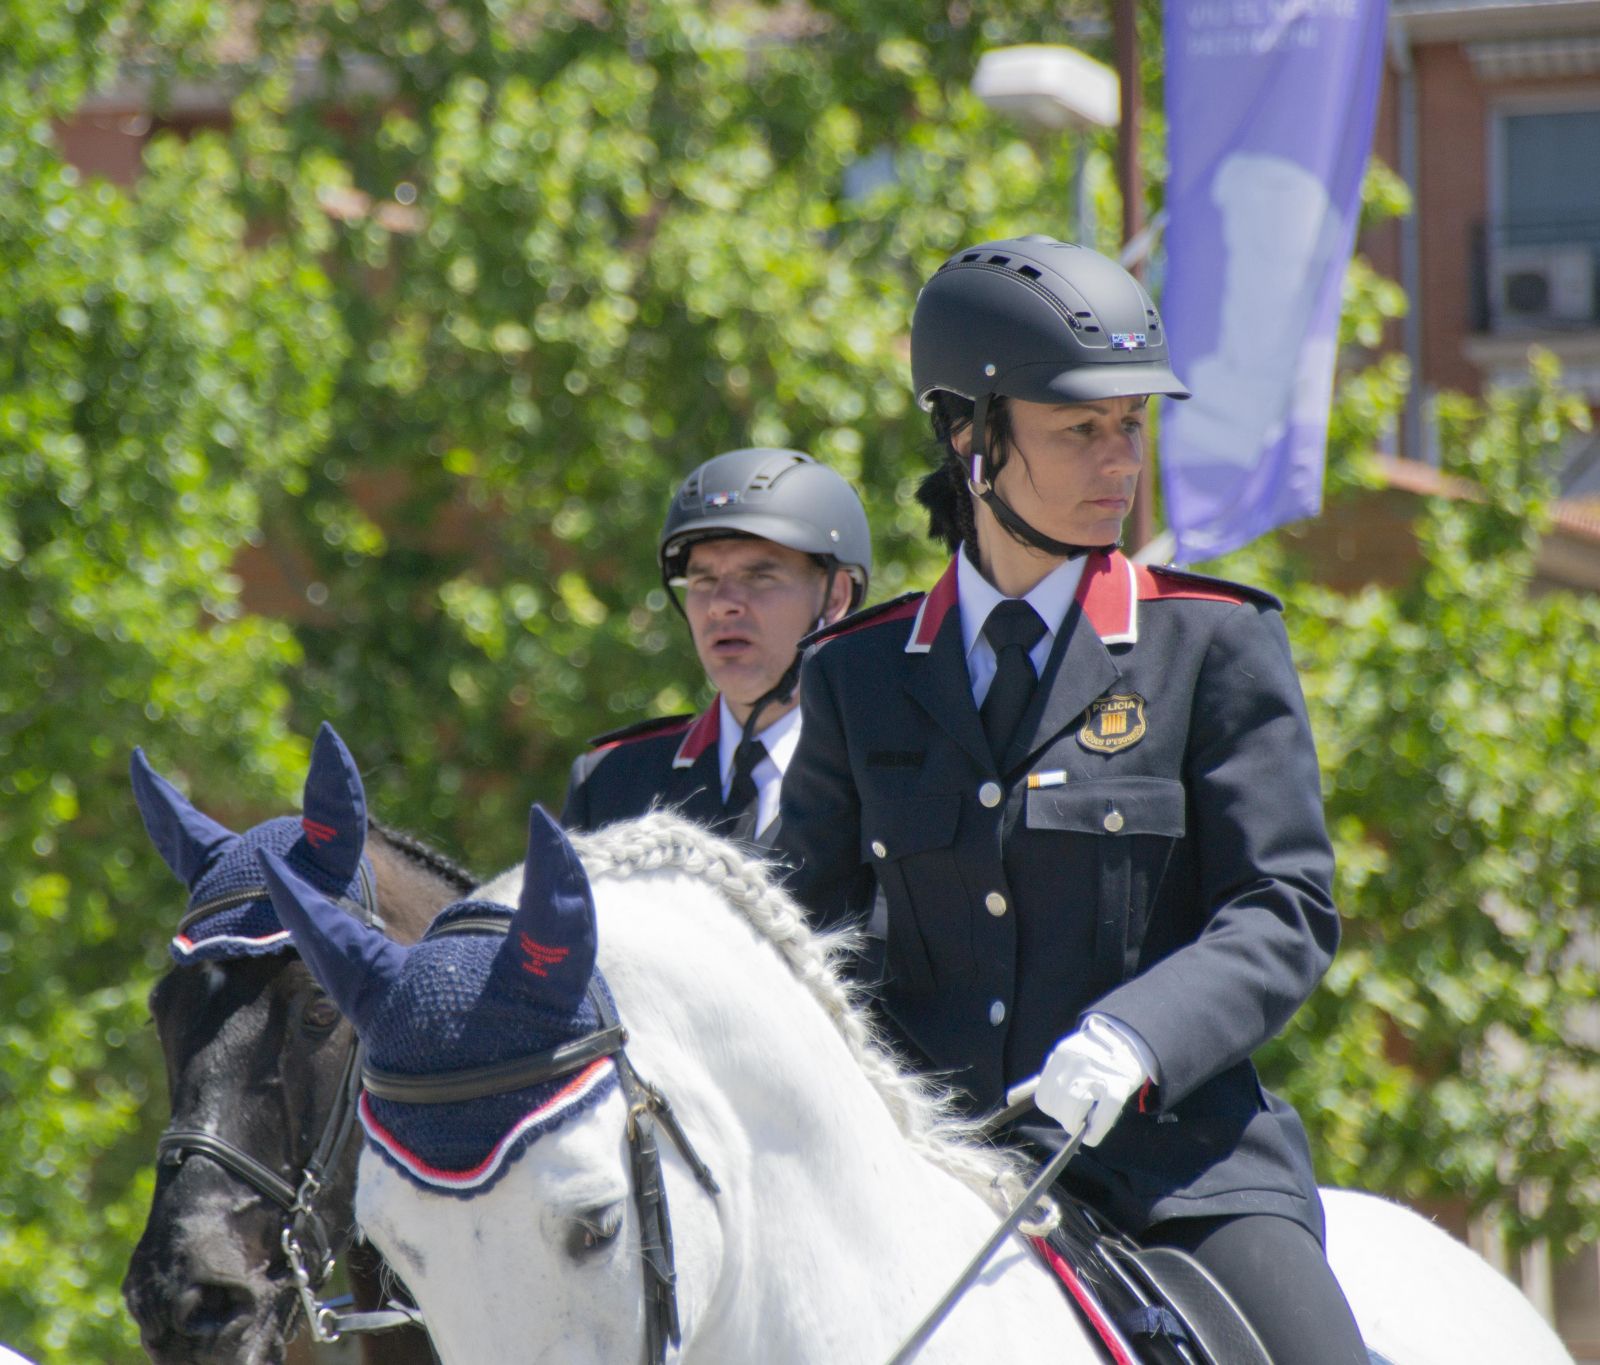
{"x": 196, "y": 1304}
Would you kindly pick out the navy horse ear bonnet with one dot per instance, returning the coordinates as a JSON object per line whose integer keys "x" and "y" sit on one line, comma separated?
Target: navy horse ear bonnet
{"x": 486, "y": 985}
{"x": 230, "y": 912}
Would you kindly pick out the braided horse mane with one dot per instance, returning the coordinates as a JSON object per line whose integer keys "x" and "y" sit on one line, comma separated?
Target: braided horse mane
{"x": 924, "y": 1112}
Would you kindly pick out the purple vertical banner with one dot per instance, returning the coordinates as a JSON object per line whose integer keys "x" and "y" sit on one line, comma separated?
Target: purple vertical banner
{"x": 1270, "y": 108}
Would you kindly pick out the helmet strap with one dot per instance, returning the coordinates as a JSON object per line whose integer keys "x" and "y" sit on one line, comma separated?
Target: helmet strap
{"x": 776, "y": 695}
{"x": 981, "y": 481}
{"x": 981, "y": 477}
{"x": 781, "y": 691}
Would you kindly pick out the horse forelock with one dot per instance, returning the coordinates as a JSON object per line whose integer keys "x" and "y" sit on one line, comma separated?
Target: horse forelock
{"x": 413, "y": 880}
{"x": 923, "y": 1111}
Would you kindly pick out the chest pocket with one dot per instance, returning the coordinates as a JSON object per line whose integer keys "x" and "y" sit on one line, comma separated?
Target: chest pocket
{"x": 909, "y": 844}
{"x": 1127, "y": 826}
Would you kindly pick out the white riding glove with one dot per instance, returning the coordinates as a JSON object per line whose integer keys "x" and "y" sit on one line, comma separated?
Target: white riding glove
{"x": 1098, "y": 1065}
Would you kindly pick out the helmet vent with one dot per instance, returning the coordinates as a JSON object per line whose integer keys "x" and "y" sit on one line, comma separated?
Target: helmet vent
{"x": 999, "y": 260}
{"x": 1029, "y": 271}
{"x": 970, "y": 256}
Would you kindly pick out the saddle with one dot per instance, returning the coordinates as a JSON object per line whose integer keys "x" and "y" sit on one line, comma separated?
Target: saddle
{"x": 1147, "y": 1305}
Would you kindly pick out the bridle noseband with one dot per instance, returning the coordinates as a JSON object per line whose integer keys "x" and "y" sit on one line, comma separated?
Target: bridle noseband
{"x": 305, "y": 1238}
{"x": 647, "y": 1107}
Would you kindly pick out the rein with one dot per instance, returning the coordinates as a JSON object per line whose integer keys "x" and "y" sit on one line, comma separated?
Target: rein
{"x": 306, "y": 1240}
{"x": 647, "y": 1107}
{"x": 1032, "y": 1197}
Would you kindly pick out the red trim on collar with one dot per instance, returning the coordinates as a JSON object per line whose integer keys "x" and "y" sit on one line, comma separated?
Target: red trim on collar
{"x": 1112, "y": 587}
{"x": 935, "y": 607}
{"x": 1106, "y": 592}
{"x": 700, "y": 736}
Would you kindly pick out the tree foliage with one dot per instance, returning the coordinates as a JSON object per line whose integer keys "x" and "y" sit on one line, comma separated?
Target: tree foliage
{"x": 1452, "y": 1049}
{"x": 430, "y": 332}
{"x": 581, "y": 256}
{"x": 157, "y": 373}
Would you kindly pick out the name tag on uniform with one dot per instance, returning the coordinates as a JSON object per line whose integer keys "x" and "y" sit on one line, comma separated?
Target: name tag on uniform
{"x": 1113, "y": 723}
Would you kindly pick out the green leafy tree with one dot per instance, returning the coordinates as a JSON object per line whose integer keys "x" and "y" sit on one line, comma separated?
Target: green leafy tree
{"x": 436, "y": 354}
{"x": 576, "y": 257}
{"x": 156, "y": 373}
{"x": 1451, "y": 1052}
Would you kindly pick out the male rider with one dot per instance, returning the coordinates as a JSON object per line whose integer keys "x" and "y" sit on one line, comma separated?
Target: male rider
{"x": 766, "y": 545}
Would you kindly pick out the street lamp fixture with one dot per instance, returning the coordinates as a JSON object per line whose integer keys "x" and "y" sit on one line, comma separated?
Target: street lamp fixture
{"x": 1049, "y": 86}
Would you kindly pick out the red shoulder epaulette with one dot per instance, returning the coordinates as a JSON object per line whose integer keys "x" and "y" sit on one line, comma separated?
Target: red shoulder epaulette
{"x": 658, "y": 725}
{"x": 1165, "y": 581}
{"x": 895, "y": 609}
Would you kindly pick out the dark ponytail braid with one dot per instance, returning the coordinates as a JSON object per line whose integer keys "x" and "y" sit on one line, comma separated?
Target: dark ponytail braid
{"x": 944, "y": 492}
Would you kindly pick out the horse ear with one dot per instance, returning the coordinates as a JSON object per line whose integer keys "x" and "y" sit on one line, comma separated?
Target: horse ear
{"x": 186, "y": 840}
{"x": 356, "y": 965}
{"x": 334, "y": 824}
{"x": 550, "y": 948}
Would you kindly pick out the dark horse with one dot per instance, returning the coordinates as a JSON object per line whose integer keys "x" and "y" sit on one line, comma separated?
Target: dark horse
{"x": 259, "y": 1069}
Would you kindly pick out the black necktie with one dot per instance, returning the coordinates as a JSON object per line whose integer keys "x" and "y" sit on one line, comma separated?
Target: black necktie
{"x": 739, "y": 811}
{"x": 1012, "y": 630}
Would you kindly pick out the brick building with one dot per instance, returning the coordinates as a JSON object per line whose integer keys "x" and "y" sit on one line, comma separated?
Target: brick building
{"x": 1491, "y": 114}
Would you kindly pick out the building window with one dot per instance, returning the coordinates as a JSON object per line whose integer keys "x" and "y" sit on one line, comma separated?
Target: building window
{"x": 1544, "y": 243}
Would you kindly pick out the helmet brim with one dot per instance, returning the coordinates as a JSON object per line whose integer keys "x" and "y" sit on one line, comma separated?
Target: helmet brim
{"x": 1049, "y": 383}
{"x": 790, "y": 533}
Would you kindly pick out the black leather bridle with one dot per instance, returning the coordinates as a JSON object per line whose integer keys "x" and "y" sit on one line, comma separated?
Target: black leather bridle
{"x": 647, "y": 1107}
{"x": 310, "y": 1247}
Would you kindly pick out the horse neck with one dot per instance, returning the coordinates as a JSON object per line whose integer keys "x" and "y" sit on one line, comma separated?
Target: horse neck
{"x": 823, "y": 1193}
{"x": 413, "y": 882}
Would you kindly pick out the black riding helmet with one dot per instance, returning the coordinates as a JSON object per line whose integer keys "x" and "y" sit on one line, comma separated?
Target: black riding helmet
{"x": 1043, "y": 321}
{"x": 779, "y": 495}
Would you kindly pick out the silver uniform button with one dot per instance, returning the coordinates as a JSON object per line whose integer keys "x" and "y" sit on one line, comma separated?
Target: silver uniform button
{"x": 878, "y": 849}
{"x": 997, "y": 1013}
{"x": 995, "y": 903}
{"x": 989, "y": 794}
{"x": 1113, "y": 821}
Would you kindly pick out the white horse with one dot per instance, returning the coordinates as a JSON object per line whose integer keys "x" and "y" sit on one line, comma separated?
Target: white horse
{"x": 849, "y": 1199}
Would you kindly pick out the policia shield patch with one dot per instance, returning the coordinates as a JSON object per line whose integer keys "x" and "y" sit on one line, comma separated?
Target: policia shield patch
{"x": 1113, "y": 723}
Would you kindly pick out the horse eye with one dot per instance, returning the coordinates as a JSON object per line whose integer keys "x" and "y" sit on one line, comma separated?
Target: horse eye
{"x": 320, "y": 1015}
{"x": 593, "y": 1231}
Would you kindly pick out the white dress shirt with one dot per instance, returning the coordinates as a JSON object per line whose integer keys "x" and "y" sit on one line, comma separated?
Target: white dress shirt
{"x": 1051, "y": 597}
{"x": 780, "y": 740}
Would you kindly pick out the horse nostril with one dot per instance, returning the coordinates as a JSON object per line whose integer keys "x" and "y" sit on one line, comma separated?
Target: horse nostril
{"x": 204, "y": 1311}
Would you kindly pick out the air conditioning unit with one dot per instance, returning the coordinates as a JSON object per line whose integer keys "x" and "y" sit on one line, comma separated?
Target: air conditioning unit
{"x": 1544, "y": 285}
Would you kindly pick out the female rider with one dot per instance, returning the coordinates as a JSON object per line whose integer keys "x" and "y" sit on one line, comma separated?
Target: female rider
{"x": 1078, "y": 798}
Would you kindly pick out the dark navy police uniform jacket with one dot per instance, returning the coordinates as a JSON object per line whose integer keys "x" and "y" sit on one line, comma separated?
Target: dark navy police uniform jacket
{"x": 670, "y": 762}
{"x": 1152, "y": 846}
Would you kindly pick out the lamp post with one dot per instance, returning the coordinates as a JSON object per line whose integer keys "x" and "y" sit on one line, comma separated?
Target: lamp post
{"x": 1056, "y": 89}
{"x": 1059, "y": 88}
